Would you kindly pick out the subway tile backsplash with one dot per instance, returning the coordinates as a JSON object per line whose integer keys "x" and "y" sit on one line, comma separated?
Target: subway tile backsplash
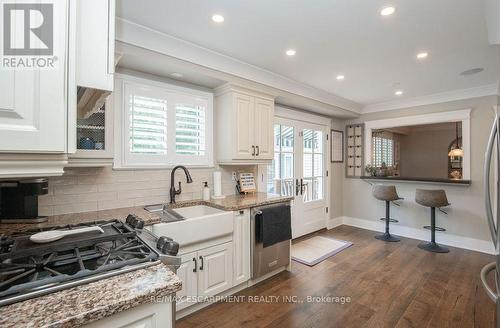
{"x": 92, "y": 189}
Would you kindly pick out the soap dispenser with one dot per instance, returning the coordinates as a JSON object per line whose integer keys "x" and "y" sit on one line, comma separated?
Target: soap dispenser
{"x": 206, "y": 191}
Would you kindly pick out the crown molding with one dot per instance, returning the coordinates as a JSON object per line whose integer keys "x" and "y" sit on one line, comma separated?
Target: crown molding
{"x": 134, "y": 34}
{"x": 461, "y": 94}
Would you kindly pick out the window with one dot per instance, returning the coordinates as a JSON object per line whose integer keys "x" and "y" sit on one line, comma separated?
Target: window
{"x": 281, "y": 171}
{"x": 383, "y": 149}
{"x": 190, "y": 130}
{"x": 313, "y": 165}
{"x": 162, "y": 125}
{"x": 147, "y": 125}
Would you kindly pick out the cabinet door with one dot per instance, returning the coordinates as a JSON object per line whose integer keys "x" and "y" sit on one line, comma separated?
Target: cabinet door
{"x": 95, "y": 44}
{"x": 33, "y": 108}
{"x": 187, "y": 272}
{"x": 241, "y": 247}
{"x": 264, "y": 122}
{"x": 215, "y": 269}
{"x": 244, "y": 141}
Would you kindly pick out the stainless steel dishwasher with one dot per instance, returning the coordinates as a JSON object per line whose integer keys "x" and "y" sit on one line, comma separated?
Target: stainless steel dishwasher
{"x": 268, "y": 259}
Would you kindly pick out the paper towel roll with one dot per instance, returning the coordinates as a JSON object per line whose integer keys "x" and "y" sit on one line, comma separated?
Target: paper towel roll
{"x": 217, "y": 184}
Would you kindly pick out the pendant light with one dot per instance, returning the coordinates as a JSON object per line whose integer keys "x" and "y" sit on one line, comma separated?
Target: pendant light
{"x": 457, "y": 151}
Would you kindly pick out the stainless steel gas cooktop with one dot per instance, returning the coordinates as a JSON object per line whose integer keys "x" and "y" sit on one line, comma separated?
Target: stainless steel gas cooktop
{"x": 28, "y": 269}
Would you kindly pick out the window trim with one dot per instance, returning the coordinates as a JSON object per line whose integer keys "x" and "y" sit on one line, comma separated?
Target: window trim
{"x": 123, "y": 160}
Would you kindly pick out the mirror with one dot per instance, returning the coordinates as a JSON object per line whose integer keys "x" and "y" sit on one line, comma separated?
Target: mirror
{"x": 418, "y": 151}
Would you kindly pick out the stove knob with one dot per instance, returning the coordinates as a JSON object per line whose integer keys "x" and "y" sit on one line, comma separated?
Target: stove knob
{"x": 131, "y": 219}
{"x": 162, "y": 241}
{"x": 167, "y": 246}
{"x": 134, "y": 221}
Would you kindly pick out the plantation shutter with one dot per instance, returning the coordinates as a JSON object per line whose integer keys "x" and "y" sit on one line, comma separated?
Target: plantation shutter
{"x": 148, "y": 125}
{"x": 190, "y": 134}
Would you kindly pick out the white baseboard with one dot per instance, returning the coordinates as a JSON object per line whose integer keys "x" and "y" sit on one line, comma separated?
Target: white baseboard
{"x": 483, "y": 246}
{"x": 334, "y": 222}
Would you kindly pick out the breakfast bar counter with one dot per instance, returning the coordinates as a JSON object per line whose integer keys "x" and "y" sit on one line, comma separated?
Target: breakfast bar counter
{"x": 414, "y": 179}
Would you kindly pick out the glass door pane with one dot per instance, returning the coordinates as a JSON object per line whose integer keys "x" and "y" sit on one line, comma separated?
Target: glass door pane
{"x": 281, "y": 170}
{"x": 312, "y": 165}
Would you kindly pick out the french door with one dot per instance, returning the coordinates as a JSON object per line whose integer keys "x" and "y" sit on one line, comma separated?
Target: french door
{"x": 298, "y": 169}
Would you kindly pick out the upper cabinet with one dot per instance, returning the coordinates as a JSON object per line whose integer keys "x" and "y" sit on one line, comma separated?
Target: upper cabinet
{"x": 95, "y": 63}
{"x": 33, "y": 98}
{"x": 68, "y": 59}
{"x": 244, "y": 125}
{"x": 95, "y": 44}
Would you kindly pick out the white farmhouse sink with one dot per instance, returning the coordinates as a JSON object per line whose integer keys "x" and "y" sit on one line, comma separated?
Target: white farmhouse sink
{"x": 200, "y": 223}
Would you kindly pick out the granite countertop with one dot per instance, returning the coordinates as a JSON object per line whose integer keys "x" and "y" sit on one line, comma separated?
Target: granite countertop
{"x": 86, "y": 303}
{"x": 237, "y": 202}
{"x": 76, "y": 218}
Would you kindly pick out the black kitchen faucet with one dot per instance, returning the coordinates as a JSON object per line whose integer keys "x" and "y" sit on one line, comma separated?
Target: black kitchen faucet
{"x": 174, "y": 192}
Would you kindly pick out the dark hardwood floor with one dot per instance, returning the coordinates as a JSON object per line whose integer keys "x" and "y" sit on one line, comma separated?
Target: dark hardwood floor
{"x": 389, "y": 285}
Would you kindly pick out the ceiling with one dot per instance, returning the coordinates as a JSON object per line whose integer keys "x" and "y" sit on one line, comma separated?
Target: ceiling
{"x": 376, "y": 54}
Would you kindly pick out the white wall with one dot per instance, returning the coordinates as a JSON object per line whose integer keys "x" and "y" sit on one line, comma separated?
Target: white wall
{"x": 466, "y": 220}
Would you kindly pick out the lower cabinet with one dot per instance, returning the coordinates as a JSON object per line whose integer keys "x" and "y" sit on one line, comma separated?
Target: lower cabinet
{"x": 206, "y": 272}
{"x": 212, "y": 270}
{"x": 188, "y": 273}
{"x": 215, "y": 269}
{"x": 150, "y": 315}
{"x": 241, "y": 247}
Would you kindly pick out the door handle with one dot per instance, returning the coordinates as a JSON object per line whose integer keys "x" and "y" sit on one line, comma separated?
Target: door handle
{"x": 484, "y": 274}
{"x": 253, "y": 152}
{"x": 258, "y": 150}
{"x": 487, "y": 166}
{"x": 302, "y": 185}
{"x": 297, "y": 187}
{"x": 201, "y": 266}
{"x": 195, "y": 264}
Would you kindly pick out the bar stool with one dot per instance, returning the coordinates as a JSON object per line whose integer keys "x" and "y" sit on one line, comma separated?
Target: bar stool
{"x": 432, "y": 199}
{"x": 387, "y": 194}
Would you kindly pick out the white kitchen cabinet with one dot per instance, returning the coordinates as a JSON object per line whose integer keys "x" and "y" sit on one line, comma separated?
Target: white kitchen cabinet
{"x": 150, "y": 315}
{"x": 264, "y": 124}
{"x": 206, "y": 272}
{"x": 34, "y": 102}
{"x": 244, "y": 126}
{"x": 241, "y": 247}
{"x": 215, "y": 269}
{"x": 188, "y": 274}
{"x": 95, "y": 44}
{"x": 244, "y": 122}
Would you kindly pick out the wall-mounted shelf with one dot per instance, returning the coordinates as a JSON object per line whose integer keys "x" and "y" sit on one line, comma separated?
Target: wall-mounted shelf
{"x": 354, "y": 150}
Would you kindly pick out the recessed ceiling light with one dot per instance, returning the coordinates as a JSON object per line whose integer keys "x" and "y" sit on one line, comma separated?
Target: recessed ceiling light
{"x": 398, "y": 93}
{"x": 218, "y": 18}
{"x": 340, "y": 77}
{"x": 387, "y": 11}
{"x": 175, "y": 74}
{"x": 472, "y": 71}
{"x": 291, "y": 52}
{"x": 422, "y": 55}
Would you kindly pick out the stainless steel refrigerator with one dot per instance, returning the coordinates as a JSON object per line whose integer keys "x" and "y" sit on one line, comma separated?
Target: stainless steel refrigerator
{"x": 492, "y": 203}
